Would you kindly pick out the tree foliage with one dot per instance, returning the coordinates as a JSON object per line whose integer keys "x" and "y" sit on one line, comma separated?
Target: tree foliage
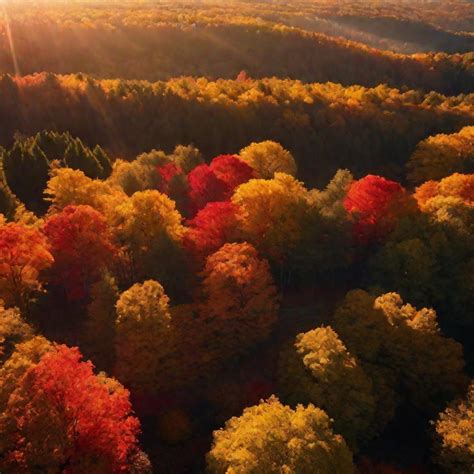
{"x": 239, "y": 298}
{"x": 82, "y": 246}
{"x": 273, "y": 438}
{"x": 268, "y": 158}
{"x": 143, "y": 335}
{"x": 455, "y": 435}
{"x": 318, "y": 369}
{"x": 442, "y": 155}
{"x": 62, "y": 417}
{"x": 24, "y": 256}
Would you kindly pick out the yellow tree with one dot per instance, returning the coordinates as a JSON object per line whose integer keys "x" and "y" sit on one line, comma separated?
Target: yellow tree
{"x": 268, "y": 158}
{"x": 455, "y": 435}
{"x": 150, "y": 227}
{"x": 273, "y": 438}
{"x": 143, "y": 335}
{"x": 441, "y": 155}
{"x": 26, "y": 355}
{"x": 318, "y": 369}
{"x": 67, "y": 186}
{"x": 13, "y": 330}
{"x": 272, "y": 213}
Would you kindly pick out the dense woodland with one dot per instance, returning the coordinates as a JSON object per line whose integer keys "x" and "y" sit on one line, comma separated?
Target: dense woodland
{"x": 236, "y": 237}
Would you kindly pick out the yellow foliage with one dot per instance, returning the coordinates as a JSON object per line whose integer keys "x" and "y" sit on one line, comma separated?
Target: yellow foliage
{"x": 268, "y": 158}
{"x": 318, "y": 369}
{"x": 273, "y": 438}
{"x": 455, "y": 430}
{"x": 143, "y": 334}
{"x": 272, "y": 213}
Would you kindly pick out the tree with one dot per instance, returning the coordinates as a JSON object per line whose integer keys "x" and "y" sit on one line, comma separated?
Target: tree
{"x": 139, "y": 174}
{"x": 456, "y": 186}
{"x": 396, "y": 344}
{"x": 421, "y": 249}
{"x": 26, "y": 170}
{"x": 143, "y": 335}
{"x": 24, "y": 256}
{"x": 104, "y": 161}
{"x": 232, "y": 171}
{"x": 67, "y": 186}
{"x": 271, "y": 213}
{"x": 150, "y": 227}
{"x": 13, "y": 330}
{"x": 62, "y": 417}
{"x": 441, "y": 155}
{"x": 82, "y": 246}
{"x": 187, "y": 157}
{"x": 268, "y": 158}
{"x": 79, "y": 157}
{"x": 173, "y": 182}
{"x": 100, "y": 322}
{"x": 273, "y": 438}
{"x": 204, "y": 187}
{"x": 26, "y": 354}
{"x": 318, "y": 368}
{"x": 325, "y": 247}
{"x": 211, "y": 228}
{"x": 240, "y": 301}
{"x": 375, "y": 204}
{"x": 455, "y": 435}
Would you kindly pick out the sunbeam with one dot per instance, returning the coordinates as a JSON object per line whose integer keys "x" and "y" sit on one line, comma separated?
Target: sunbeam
{"x": 11, "y": 43}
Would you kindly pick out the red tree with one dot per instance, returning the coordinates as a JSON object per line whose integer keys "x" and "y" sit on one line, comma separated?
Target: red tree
{"x": 212, "y": 227}
{"x": 375, "y": 204}
{"x": 232, "y": 170}
{"x": 217, "y": 181}
{"x": 63, "y": 418}
{"x": 82, "y": 248}
{"x": 203, "y": 187}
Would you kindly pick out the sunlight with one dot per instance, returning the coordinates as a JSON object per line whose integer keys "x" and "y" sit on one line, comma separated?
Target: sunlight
{"x": 11, "y": 43}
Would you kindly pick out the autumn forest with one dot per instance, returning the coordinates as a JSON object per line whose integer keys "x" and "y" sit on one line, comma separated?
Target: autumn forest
{"x": 237, "y": 237}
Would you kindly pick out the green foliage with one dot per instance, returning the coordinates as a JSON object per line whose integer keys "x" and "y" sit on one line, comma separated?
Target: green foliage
{"x": 397, "y": 344}
{"x": 26, "y": 170}
{"x": 100, "y": 323}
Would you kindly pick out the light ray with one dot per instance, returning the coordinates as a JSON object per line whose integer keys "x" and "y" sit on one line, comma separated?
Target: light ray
{"x": 11, "y": 43}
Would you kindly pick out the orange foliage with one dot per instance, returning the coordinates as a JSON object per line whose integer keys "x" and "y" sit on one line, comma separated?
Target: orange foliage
{"x": 24, "y": 255}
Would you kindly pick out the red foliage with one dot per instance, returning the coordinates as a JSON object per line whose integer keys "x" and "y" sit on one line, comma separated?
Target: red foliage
{"x": 90, "y": 415}
{"x": 375, "y": 204}
{"x": 217, "y": 181}
{"x": 212, "y": 227}
{"x": 82, "y": 248}
{"x": 232, "y": 170}
{"x": 203, "y": 187}
{"x": 167, "y": 173}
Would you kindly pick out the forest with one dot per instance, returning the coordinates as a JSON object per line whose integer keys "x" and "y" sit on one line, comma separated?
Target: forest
{"x": 236, "y": 237}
